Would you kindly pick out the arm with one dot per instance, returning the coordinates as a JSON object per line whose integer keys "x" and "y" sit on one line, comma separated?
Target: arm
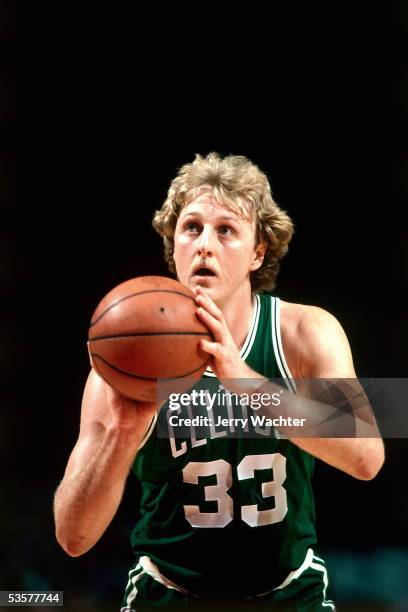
{"x": 112, "y": 428}
{"x": 322, "y": 352}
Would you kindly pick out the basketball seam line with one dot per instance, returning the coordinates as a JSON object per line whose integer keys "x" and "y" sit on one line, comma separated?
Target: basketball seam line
{"x": 135, "y": 335}
{"x": 147, "y": 377}
{"x": 127, "y": 297}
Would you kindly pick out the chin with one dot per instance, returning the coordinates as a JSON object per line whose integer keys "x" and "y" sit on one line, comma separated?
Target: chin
{"x": 217, "y": 296}
{"x": 203, "y": 282}
{"x": 212, "y": 292}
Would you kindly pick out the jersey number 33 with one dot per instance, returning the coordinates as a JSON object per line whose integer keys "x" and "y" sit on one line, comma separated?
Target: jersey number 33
{"x": 250, "y": 514}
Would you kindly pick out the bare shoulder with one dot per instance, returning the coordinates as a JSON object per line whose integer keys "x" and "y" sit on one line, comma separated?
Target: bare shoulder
{"x": 303, "y": 319}
{"x": 314, "y": 341}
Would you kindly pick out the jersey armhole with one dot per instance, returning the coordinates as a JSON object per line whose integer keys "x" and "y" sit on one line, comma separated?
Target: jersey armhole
{"x": 148, "y": 432}
{"x": 277, "y": 346}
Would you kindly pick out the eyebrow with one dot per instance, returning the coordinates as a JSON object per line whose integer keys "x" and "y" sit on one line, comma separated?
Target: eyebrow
{"x": 220, "y": 218}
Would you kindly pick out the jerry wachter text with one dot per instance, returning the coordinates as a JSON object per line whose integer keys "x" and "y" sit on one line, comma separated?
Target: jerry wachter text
{"x": 254, "y": 420}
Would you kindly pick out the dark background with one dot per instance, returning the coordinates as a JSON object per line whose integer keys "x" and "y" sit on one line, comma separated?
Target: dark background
{"x": 99, "y": 108}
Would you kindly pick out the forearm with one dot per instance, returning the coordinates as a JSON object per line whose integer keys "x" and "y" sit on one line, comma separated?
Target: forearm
{"x": 338, "y": 428}
{"x": 361, "y": 458}
{"x": 90, "y": 492}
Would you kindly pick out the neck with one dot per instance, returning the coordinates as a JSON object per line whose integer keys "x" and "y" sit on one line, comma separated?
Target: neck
{"x": 238, "y": 311}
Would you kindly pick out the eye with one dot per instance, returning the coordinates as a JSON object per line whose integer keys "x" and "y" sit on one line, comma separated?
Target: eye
{"x": 225, "y": 230}
{"x": 192, "y": 227}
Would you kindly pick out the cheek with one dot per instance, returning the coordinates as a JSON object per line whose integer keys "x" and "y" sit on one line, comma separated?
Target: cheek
{"x": 181, "y": 241}
{"x": 241, "y": 254}
{"x": 181, "y": 256}
{"x": 180, "y": 253}
{"x": 236, "y": 264}
{"x": 178, "y": 246}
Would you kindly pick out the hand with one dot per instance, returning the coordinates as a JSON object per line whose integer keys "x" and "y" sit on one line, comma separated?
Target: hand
{"x": 127, "y": 413}
{"x": 226, "y": 361}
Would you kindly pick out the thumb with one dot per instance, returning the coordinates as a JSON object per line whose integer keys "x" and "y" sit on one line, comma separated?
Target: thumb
{"x": 213, "y": 348}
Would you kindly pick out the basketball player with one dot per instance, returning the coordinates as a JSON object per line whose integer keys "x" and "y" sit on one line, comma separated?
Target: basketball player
{"x": 222, "y": 521}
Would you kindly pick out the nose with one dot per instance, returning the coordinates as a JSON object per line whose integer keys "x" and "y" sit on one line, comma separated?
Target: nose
{"x": 205, "y": 241}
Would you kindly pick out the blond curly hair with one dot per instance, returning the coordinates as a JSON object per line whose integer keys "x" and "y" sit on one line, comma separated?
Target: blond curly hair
{"x": 239, "y": 185}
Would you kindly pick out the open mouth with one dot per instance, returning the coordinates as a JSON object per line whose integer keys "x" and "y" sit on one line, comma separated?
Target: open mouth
{"x": 204, "y": 272}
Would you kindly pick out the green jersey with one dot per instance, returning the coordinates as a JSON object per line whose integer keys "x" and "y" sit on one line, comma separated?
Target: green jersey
{"x": 222, "y": 514}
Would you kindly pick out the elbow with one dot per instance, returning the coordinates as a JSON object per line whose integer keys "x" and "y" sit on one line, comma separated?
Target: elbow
{"x": 73, "y": 547}
{"x": 370, "y": 462}
{"x": 73, "y": 550}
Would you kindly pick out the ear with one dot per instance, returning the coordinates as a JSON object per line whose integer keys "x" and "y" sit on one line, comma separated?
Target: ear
{"x": 258, "y": 256}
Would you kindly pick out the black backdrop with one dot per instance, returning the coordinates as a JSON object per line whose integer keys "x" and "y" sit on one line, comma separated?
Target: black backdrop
{"x": 98, "y": 111}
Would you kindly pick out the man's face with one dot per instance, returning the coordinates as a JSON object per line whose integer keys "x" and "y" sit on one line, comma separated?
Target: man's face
{"x": 215, "y": 248}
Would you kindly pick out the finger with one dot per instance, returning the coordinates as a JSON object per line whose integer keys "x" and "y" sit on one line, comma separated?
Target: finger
{"x": 215, "y": 326}
{"x": 213, "y": 348}
{"x": 205, "y": 301}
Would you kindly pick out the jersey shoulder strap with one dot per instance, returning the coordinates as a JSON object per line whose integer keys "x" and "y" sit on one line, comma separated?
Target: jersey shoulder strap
{"x": 265, "y": 352}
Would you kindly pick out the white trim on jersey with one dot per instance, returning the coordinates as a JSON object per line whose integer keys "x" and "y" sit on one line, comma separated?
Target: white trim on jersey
{"x": 327, "y": 603}
{"x": 249, "y": 340}
{"x": 148, "y": 432}
{"x": 309, "y": 562}
{"x": 153, "y": 571}
{"x": 277, "y": 345}
{"x": 296, "y": 573}
{"x": 134, "y": 575}
{"x": 247, "y": 346}
{"x": 146, "y": 566}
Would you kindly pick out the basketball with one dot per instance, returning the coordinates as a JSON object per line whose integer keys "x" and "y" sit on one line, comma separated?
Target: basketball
{"x": 147, "y": 329}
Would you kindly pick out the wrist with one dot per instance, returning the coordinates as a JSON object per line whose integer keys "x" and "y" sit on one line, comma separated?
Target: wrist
{"x": 128, "y": 425}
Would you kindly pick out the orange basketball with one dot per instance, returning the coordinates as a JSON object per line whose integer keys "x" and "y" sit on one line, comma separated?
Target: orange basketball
{"x": 147, "y": 329}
